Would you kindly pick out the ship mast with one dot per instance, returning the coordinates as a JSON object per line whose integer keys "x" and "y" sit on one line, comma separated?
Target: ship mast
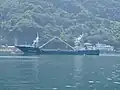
{"x": 36, "y": 41}
{"x": 15, "y": 41}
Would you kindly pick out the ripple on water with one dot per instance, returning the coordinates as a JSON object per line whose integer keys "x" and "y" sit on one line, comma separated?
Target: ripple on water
{"x": 91, "y": 82}
{"x": 118, "y": 71}
{"x": 98, "y": 82}
{"x": 109, "y": 79}
{"x": 54, "y": 88}
{"x": 69, "y": 86}
{"x": 118, "y": 83}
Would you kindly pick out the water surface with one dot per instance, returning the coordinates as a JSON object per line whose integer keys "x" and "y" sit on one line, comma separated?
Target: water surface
{"x": 57, "y": 72}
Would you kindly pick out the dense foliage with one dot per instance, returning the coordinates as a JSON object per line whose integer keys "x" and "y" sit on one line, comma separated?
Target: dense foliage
{"x": 99, "y": 19}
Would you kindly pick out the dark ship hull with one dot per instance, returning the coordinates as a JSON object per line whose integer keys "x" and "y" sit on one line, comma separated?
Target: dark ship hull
{"x": 30, "y": 50}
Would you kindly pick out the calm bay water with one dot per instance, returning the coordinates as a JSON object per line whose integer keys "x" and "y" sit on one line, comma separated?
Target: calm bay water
{"x": 59, "y": 72}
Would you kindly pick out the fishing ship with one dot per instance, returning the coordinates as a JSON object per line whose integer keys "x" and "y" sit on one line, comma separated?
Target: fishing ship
{"x": 35, "y": 49}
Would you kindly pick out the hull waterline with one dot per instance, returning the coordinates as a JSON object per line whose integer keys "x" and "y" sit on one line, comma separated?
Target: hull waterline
{"x": 37, "y": 51}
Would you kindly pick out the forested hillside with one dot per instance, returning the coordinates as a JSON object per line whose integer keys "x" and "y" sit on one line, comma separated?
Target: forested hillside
{"x": 2, "y": 1}
{"x": 99, "y": 19}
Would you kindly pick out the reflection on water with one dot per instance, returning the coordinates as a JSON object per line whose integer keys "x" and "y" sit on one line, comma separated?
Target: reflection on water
{"x": 40, "y": 73}
{"x": 97, "y": 73}
{"x": 59, "y": 72}
{"x": 78, "y": 64}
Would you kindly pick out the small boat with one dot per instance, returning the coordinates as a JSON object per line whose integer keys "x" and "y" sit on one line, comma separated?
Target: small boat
{"x": 35, "y": 49}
